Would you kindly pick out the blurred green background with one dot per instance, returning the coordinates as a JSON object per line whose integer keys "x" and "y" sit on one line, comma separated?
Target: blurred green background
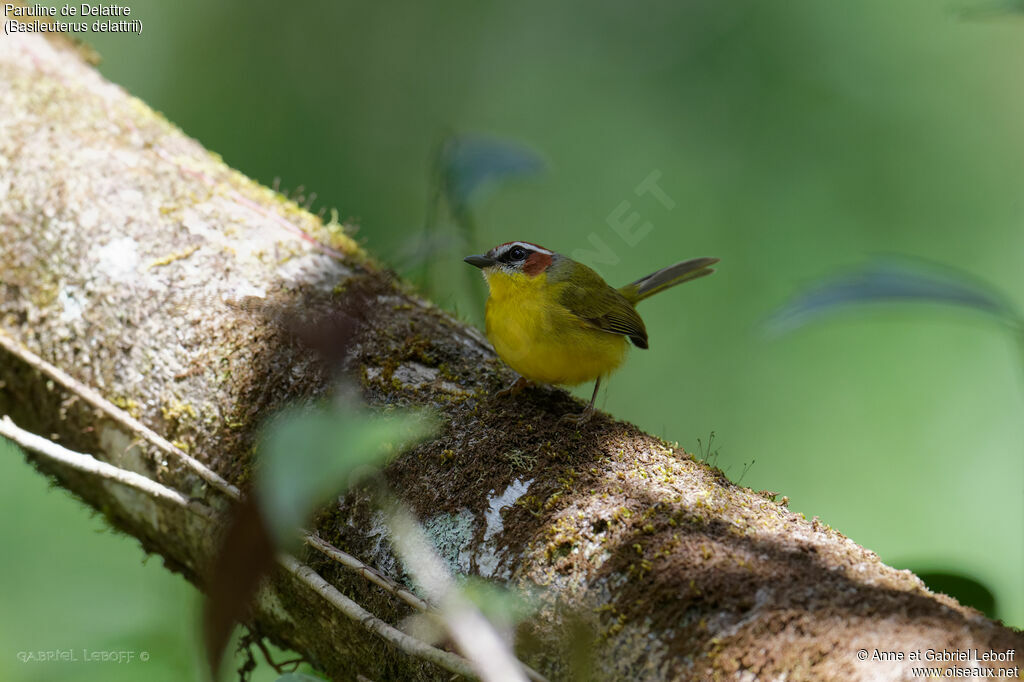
{"x": 794, "y": 138}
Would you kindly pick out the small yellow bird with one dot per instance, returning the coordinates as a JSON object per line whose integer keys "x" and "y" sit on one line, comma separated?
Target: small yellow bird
{"x": 555, "y": 321}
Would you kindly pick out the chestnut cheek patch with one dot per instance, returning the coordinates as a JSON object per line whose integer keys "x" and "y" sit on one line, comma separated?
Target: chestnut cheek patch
{"x": 536, "y": 263}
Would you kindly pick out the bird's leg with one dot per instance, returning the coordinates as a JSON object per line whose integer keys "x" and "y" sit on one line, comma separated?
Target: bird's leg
{"x": 514, "y": 388}
{"x": 588, "y": 412}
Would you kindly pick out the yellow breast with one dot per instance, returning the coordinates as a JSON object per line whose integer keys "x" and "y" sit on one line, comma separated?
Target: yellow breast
{"x": 537, "y": 337}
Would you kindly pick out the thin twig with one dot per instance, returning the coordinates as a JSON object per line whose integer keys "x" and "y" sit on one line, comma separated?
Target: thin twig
{"x": 410, "y": 645}
{"x": 90, "y": 465}
{"x": 129, "y": 422}
{"x": 279, "y": 668}
{"x": 368, "y": 572}
{"x": 94, "y": 398}
{"x": 474, "y": 635}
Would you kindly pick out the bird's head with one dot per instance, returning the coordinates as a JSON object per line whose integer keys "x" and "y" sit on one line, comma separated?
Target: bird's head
{"x": 514, "y": 258}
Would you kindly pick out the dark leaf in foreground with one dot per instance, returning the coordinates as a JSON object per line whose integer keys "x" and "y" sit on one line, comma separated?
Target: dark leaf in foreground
{"x": 246, "y": 555}
{"x": 889, "y": 282}
{"x": 306, "y": 457}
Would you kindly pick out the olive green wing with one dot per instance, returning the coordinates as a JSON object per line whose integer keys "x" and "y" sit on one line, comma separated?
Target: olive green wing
{"x": 588, "y": 297}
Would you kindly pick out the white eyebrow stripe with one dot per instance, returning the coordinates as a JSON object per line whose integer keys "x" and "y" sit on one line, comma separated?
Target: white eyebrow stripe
{"x": 504, "y": 248}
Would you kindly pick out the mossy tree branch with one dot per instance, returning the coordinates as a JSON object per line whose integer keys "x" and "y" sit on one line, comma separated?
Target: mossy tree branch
{"x": 139, "y": 264}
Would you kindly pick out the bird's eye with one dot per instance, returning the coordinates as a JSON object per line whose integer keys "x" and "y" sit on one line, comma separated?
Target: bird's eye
{"x": 517, "y": 253}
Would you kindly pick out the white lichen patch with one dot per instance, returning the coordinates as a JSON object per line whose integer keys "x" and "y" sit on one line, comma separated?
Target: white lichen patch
{"x": 245, "y": 290}
{"x": 414, "y": 375}
{"x": 118, "y": 259}
{"x": 122, "y": 450}
{"x": 380, "y": 555}
{"x": 137, "y": 505}
{"x": 193, "y": 221}
{"x": 490, "y": 553}
{"x": 635, "y": 652}
{"x": 268, "y": 601}
{"x": 595, "y": 552}
{"x": 496, "y": 503}
{"x": 88, "y": 218}
{"x": 764, "y": 596}
{"x": 68, "y": 298}
{"x": 474, "y": 341}
{"x": 452, "y": 535}
{"x": 314, "y": 269}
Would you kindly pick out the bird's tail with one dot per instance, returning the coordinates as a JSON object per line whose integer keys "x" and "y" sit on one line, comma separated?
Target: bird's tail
{"x": 667, "y": 277}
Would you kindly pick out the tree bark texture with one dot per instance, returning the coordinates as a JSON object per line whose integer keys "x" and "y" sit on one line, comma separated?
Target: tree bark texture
{"x": 138, "y": 263}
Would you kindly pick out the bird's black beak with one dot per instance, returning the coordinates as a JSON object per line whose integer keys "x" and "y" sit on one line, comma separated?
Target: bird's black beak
{"x": 479, "y": 261}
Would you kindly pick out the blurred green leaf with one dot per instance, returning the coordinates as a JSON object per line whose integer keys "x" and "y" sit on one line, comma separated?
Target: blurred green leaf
{"x": 300, "y": 677}
{"x": 503, "y": 607}
{"x": 991, "y": 9}
{"x": 474, "y": 165}
{"x": 892, "y": 281}
{"x": 465, "y": 170}
{"x": 309, "y": 455}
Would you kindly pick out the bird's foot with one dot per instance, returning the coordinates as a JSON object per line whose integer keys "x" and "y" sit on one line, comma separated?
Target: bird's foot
{"x": 578, "y": 419}
{"x": 514, "y": 388}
